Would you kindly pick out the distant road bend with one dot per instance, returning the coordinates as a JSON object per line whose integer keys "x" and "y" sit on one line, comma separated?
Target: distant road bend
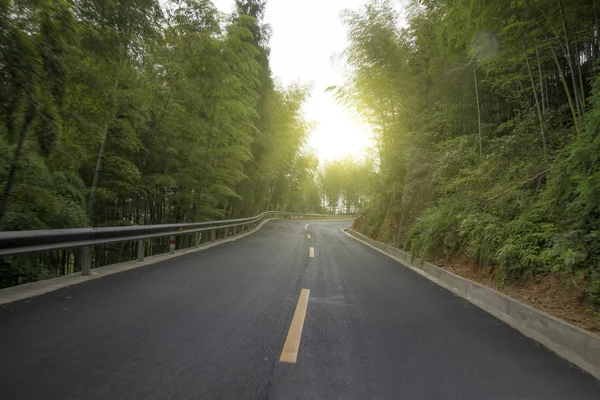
{"x": 292, "y": 311}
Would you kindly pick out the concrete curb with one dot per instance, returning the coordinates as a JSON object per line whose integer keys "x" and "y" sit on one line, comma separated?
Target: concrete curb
{"x": 570, "y": 342}
{"x": 33, "y": 289}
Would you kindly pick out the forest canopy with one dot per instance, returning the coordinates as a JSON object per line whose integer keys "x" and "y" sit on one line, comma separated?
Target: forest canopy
{"x": 146, "y": 112}
{"x": 486, "y": 116}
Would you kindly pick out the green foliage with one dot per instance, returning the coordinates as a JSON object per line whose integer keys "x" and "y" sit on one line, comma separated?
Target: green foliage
{"x": 16, "y": 270}
{"x": 345, "y": 184}
{"x": 486, "y": 146}
{"x": 142, "y": 112}
{"x": 571, "y": 199}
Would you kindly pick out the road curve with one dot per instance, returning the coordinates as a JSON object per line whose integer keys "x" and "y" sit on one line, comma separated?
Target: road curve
{"x": 212, "y": 325}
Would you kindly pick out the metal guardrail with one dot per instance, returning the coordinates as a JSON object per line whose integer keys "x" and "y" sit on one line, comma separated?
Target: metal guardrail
{"x": 19, "y": 242}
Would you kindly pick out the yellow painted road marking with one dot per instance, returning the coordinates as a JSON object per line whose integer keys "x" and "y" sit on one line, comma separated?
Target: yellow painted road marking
{"x": 308, "y": 235}
{"x": 292, "y": 342}
{"x": 311, "y": 253}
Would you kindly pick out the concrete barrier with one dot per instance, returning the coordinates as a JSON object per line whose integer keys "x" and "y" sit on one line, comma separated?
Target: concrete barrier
{"x": 572, "y": 343}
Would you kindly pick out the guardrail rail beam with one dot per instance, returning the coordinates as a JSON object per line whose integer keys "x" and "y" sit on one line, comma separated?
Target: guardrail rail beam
{"x": 21, "y": 242}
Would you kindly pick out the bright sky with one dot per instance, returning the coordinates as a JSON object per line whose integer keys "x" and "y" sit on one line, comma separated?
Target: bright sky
{"x": 305, "y": 36}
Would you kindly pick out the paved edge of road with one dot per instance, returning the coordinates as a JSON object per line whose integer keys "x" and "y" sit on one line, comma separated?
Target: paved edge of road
{"x": 570, "y": 342}
{"x": 28, "y": 290}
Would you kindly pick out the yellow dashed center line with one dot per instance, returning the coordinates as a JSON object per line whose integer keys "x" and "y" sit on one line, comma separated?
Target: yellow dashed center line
{"x": 292, "y": 342}
{"x": 311, "y": 252}
{"x": 308, "y": 235}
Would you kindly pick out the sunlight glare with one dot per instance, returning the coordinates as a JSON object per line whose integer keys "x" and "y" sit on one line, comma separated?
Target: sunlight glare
{"x": 337, "y": 134}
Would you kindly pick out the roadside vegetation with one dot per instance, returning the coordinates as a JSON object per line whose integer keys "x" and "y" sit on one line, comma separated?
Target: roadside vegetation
{"x": 486, "y": 116}
{"x": 147, "y": 112}
{"x": 142, "y": 112}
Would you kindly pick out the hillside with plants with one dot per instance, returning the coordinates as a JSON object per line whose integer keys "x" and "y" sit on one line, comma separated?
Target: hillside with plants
{"x": 486, "y": 118}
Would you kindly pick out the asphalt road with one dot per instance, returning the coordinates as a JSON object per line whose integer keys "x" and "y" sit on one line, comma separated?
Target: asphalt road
{"x": 212, "y": 325}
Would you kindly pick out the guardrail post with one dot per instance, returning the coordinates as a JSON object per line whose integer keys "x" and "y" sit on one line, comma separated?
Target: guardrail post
{"x": 86, "y": 266}
{"x": 172, "y": 244}
{"x": 140, "y": 249}
{"x": 196, "y": 239}
{"x": 234, "y": 230}
{"x": 213, "y": 235}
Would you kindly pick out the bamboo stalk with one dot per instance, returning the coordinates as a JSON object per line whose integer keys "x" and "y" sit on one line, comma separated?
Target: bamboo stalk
{"x": 537, "y": 56}
{"x": 478, "y": 108}
{"x": 567, "y": 91}
{"x": 537, "y": 103}
{"x": 570, "y": 61}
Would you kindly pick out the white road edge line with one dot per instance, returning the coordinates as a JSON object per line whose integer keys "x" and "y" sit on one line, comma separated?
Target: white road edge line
{"x": 308, "y": 235}
{"x": 306, "y": 226}
{"x": 592, "y": 370}
{"x": 311, "y": 252}
{"x": 417, "y": 270}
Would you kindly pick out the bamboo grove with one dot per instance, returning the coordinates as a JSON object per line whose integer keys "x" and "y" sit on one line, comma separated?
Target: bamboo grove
{"x": 143, "y": 112}
{"x": 486, "y": 116}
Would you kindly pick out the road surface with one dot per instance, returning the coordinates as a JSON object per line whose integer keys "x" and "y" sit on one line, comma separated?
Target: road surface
{"x": 213, "y": 325}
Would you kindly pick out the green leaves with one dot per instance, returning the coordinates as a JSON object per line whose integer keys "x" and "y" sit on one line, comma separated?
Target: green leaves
{"x": 509, "y": 78}
{"x": 195, "y": 128}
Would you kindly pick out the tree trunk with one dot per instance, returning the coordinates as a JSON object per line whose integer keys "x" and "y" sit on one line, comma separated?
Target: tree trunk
{"x": 90, "y": 207}
{"x": 541, "y": 78}
{"x": 478, "y": 109}
{"x": 271, "y": 194}
{"x": 537, "y": 103}
{"x": 13, "y": 167}
{"x": 567, "y": 91}
{"x": 570, "y": 63}
{"x": 581, "y": 86}
{"x": 597, "y": 29}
